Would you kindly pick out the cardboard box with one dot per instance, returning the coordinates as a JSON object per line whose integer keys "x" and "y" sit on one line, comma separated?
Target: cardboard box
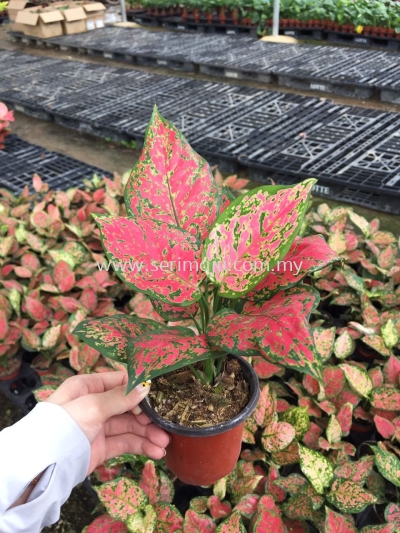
{"x": 74, "y": 19}
{"x": 95, "y": 15}
{"x": 40, "y": 22}
{"x": 14, "y": 6}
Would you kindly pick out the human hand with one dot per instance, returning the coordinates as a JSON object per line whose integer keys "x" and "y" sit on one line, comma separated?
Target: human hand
{"x": 105, "y": 414}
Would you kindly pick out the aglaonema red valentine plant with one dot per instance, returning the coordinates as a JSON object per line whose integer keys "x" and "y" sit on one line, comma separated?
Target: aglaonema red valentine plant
{"x": 217, "y": 265}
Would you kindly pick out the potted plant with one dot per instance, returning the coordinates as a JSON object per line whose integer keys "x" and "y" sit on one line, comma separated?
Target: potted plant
{"x": 176, "y": 246}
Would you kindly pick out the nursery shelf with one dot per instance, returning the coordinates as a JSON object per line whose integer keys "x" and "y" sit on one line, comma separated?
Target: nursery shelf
{"x": 20, "y": 160}
{"x": 352, "y": 151}
{"x": 345, "y": 71}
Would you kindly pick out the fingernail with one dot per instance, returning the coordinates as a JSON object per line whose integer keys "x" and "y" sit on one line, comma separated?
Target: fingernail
{"x": 165, "y": 452}
{"x": 143, "y": 388}
{"x": 136, "y": 410}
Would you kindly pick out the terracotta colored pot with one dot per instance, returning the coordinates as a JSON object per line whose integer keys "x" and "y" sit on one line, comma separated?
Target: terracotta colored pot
{"x": 235, "y": 16}
{"x": 11, "y": 370}
{"x": 222, "y": 15}
{"x": 247, "y": 21}
{"x": 185, "y": 13}
{"x": 209, "y": 17}
{"x": 367, "y": 354}
{"x": 196, "y": 14}
{"x": 201, "y": 456}
{"x": 391, "y": 33}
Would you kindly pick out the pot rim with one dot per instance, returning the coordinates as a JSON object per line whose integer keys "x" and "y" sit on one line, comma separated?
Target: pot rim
{"x": 251, "y": 378}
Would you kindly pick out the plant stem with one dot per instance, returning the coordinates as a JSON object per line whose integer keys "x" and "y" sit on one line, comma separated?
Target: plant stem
{"x": 217, "y": 299}
{"x": 219, "y": 364}
{"x": 209, "y": 370}
{"x": 196, "y": 373}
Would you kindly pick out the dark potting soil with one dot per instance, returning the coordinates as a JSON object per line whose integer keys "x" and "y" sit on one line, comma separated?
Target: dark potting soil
{"x": 181, "y": 398}
{"x": 77, "y": 511}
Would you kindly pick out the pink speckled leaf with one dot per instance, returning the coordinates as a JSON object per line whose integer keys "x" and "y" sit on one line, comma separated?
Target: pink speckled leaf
{"x": 289, "y": 456}
{"x": 247, "y": 505}
{"x": 356, "y": 471}
{"x": 391, "y": 370}
{"x": 387, "y": 463}
{"x": 385, "y": 427}
{"x": 294, "y": 483}
{"x": 149, "y": 482}
{"x": 166, "y": 489}
{"x": 44, "y": 392}
{"x": 377, "y": 343}
{"x": 158, "y": 352}
{"x": 106, "y": 524}
{"x": 218, "y": 509}
{"x": 278, "y": 329}
{"x": 4, "y": 327}
{"x": 299, "y": 507}
{"x": 296, "y": 526}
{"x": 385, "y": 528}
{"x": 386, "y": 398}
{"x": 277, "y": 436}
{"x": 264, "y": 369}
{"x": 358, "y": 379}
{"x": 349, "y": 497}
{"x": 344, "y": 417}
{"x": 110, "y": 335}
{"x": 392, "y": 514}
{"x": 173, "y": 312}
{"x": 305, "y": 256}
{"x": 264, "y": 413}
{"x": 257, "y": 226}
{"x": 376, "y": 376}
{"x": 121, "y": 497}
{"x": 104, "y": 472}
{"x": 311, "y": 438}
{"x": 334, "y": 380}
{"x": 233, "y": 524}
{"x": 268, "y": 517}
{"x": 311, "y": 385}
{"x": 242, "y": 486}
{"x": 36, "y": 310}
{"x": 337, "y": 523}
{"x": 171, "y": 183}
{"x": 199, "y": 504}
{"x": 169, "y": 519}
{"x": 153, "y": 257}
{"x": 198, "y": 523}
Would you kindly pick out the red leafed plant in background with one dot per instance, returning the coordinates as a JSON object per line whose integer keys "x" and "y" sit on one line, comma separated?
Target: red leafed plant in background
{"x": 6, "y": 117}
{"x": 186, "y": 248}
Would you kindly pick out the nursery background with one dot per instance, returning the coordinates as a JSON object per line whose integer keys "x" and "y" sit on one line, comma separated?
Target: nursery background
{"x": 317, "y": 97}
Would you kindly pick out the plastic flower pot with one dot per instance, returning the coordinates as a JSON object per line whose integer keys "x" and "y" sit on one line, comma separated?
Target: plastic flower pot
{"x": 201, "y": 456}
{"x": 222, "y": 15}
{"x": 11, "y": 370}
{"x": 235, "y": 16}
{"x": 196, "y": 14}
{"x": 209, "y": 17}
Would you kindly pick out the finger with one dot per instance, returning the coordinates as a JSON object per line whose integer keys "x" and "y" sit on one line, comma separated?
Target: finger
{"x": 128, "y": 443}
{"x": 137, "y": 410}
{"x": 116, "y": 402}
{"x": 143, "y": 419}
{"x": 77, "y": 386}
{"x": 127, "y": 423}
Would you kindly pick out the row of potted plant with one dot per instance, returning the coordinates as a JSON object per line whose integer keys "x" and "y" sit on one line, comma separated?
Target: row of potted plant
{"x": 369, "y": 17}
{"x": 326, "y": 386}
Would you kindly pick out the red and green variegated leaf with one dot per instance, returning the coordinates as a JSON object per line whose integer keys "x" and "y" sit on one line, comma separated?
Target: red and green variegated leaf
{"x": 377, "y": 343}
{"x": 289, "y": 456}
{"x": 312, "y": 408}
{"x": 31, "y": 262}
{"x": 218, "y": 509}
{"x": 377, "y": 485}
{"x": 390, "y": 334}
{"x": 143, "y": 308}
{"x": 173, "y": 312}
{"x": 278, "y": 329}
{"x": 337, "y": 523}
{"x": 387, "y": 463}
{"x": 198, "y": 523}
{"x": 349, "y": 497}
{"x": 89, "y": 299}
{"x": 83, "y": 357}
{"x": 391, "y": 370}
{"x": 386, "y": 399}
{"x": 50, "y": 337}
{"x": 268, "y": 518}
{"x": 344, "y": 417}
{"x": 42, "y": 393}
{"x": 317, "y": 468}
{"x": 311, "y": 385}
{"x": 106, "y": 524}
{"x": 23, "y": 272}
{"x": 219, "y": 488}
{"x": 355, "y": 282}
{"x": 376, "y": 376}
{"x": 273, "y": 490}
{"x": 171, "y": 183}
{"x": 104, "y": 473}
{"x": 121, "y": 497}
{"x": 250, "y": 427}
{"x": 256, "y": 227}
{"x": 143, "y": 521}
{"x": 360, "y": 222}
{"x": 299, "y": 507}
{"x": 370, "y": 314}
{"x": 346, "y": 298}
{"x": 243, "y": 486}
{"x": 169, "y": 519}
{"x": 149, "y": 482}
{"x": 4, "y": 326}
{"x": 293, "y": 484}
{"x": 337, "y": 242}
{"x": 277, "y": 436}
{"x": 344, "y": 346}
{"x": 305, "y": 256}
{"x": 247, "y": 505}
{"x": 265, "y": 412}
{"x": 385, "y": 427}
{"x": 356, "y": 471}
{"x": 311, "y": 438}
{"x": 298, "y": 418}
{"x": 334, "y": 380}
{"x": 358, "y": 379}
{"x": 110, "y": 335}
{"x": 153, "y": 257}
{"x": 166, "y": 489}
{"x": 233, "y": 524}
{"x": 385, "y": 528}
{"x": 296, "y": 526}
{"x": 158, "y": 352}
{"x": 36, "y": 310}
{"x": 252, "y": 455}
{"x": 392, "y": 514}
{"x": 334, "y": 430}
{"x": 264, "y": 369}
{"x": 387, "y": 257}
{"x": 199, "y": 504}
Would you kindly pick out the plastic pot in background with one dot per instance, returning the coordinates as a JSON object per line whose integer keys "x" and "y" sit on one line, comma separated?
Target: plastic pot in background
{"x": 201, "y": 456}
{"x": 11, "y": 369}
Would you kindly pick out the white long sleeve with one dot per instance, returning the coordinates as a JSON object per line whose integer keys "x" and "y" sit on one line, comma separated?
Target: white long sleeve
{"x": 46, "y": 440}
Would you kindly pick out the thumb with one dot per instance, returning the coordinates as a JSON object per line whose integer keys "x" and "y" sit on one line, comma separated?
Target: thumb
{"x": 116, "y": 402}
